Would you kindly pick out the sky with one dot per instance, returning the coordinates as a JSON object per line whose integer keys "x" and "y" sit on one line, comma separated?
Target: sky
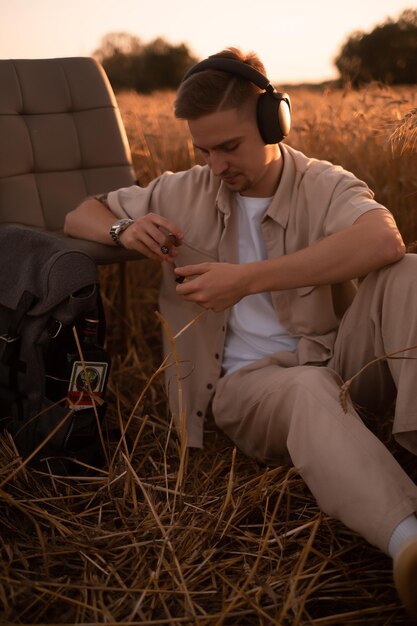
{"x": 297, "y": 40}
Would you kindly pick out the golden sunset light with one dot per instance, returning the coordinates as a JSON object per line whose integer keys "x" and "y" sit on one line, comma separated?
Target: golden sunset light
{"x": 208, "y": 312}
{"x": 296, "y": 40}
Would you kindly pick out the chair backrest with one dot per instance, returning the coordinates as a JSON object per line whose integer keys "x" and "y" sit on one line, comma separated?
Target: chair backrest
{"x": 61, "y": 139}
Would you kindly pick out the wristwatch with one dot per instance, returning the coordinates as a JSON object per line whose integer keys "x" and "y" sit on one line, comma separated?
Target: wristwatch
{"x": 117, "y": 229}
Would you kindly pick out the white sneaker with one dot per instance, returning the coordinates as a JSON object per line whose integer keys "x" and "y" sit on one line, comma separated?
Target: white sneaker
{"x": 405, "y": 576}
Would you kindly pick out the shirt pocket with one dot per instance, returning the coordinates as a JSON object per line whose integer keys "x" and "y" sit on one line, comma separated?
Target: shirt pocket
{"x": 312, "y": 310}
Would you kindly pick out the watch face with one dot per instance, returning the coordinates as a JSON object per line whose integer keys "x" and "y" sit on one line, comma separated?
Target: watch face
{"x": 120, "y": 223}
{"x": 118, "y": 227}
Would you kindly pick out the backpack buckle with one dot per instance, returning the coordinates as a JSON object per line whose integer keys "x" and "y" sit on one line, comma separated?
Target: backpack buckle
{"x": 54, "y": 327}
{"x": 7, "y": 347}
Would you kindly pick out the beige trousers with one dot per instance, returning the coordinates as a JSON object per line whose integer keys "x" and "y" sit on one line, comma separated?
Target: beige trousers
{"x": 276, "y": 410}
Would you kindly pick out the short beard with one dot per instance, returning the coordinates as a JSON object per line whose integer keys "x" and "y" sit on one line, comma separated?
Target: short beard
{"x": 244, "y": 185}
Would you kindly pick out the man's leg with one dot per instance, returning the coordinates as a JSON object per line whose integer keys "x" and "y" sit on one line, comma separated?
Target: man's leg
{"x": 383, "y": 320}
{"x": 272, "y": 412}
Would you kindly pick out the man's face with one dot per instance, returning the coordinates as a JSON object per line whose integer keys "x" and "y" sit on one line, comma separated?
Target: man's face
{"x": 233, "y": 149}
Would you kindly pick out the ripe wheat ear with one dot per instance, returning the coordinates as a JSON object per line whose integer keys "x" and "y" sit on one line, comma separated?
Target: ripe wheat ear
{"x": 404, "y": 135}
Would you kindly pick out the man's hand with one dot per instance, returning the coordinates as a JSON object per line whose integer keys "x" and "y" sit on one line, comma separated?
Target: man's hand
{"x": 154, "y": 236}
{"x": 214, "y": 286}
{"x": 92, "y": 220}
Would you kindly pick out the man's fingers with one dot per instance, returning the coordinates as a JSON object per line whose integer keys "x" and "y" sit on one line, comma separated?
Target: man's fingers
{"x": 191, "y": 270}
{"x": 168, "y": 234}
{"x": 152, "y": 239}
{"x": 170, "y": 241}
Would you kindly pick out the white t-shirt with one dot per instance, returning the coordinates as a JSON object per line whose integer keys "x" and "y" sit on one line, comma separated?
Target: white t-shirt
{"x": 254, "y": 330}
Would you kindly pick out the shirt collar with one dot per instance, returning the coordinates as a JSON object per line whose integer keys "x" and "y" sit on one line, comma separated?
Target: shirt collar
{"x": 225, "y": 199}
{"x": 279, "y": 209}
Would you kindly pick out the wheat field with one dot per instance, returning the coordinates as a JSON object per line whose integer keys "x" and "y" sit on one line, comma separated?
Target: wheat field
{"x": 166, "y": 536}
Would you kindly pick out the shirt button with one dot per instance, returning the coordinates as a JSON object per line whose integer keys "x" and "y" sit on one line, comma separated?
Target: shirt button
{"x": 199, "y": 413}
{"x": 216, "y": 356}
{"x": 209, "y": 386}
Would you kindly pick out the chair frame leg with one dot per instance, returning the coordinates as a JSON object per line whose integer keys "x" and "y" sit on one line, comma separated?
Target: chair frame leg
{"x": 123, "y": 285}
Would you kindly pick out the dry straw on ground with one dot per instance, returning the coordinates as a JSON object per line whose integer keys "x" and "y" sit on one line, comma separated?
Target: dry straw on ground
{"x": 165, "y": 536}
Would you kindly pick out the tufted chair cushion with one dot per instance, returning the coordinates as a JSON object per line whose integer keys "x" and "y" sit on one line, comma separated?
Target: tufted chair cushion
{"x": 61, "y": 139}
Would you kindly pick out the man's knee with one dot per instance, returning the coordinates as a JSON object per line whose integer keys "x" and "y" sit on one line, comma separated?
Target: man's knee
{"x": 318, "y": 381}
{"x": 398, "y": 276}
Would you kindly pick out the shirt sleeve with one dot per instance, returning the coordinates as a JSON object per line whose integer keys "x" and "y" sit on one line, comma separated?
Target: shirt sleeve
{"x": 132, "y": 201}
{"x": 348, "y": 199}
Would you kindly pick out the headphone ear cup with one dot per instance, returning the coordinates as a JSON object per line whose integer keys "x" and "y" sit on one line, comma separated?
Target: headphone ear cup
{"x": 274, "y": 116}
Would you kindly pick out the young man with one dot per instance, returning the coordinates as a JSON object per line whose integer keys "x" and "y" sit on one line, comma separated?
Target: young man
{"x": 269, "y": 243}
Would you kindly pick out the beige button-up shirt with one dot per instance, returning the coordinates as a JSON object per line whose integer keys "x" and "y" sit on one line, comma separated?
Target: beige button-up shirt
{"x": 314, "y": 199}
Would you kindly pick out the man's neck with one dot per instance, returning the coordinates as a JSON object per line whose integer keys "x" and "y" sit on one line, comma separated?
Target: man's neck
{"x": 268, "y": 185}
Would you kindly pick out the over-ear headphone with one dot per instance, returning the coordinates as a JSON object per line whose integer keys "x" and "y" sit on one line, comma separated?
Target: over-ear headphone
{"x": 273, "y": 110}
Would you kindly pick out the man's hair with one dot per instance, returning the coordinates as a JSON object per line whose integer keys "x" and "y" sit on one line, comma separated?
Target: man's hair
{"x": 213, "y": 90}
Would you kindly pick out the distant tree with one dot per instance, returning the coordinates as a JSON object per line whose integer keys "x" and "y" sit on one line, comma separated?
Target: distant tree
{"x": 117, "y": 43}
{"x": 118, "y": 53}
{"x": 131, "y": 65}
{"x": 387, "y": 54}
{"x": 162, "y": 65}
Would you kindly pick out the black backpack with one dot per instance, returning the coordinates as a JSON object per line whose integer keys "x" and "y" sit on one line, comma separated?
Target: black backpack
{"x": 46, "y": 290}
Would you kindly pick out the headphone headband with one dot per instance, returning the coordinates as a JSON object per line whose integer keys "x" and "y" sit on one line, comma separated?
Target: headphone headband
{"x": 231, "y": 66}
{"x": 273, "y": 109}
